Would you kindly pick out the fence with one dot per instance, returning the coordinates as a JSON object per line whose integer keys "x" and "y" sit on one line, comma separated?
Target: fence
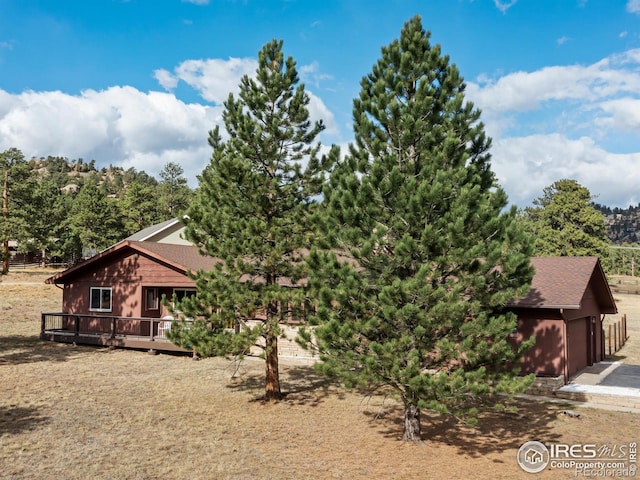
{"x": 615, "y": 335}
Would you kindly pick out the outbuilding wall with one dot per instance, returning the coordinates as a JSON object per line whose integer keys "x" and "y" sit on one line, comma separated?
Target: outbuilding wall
{"x": 567, "y": 340}
{"x": 545, "y": 357}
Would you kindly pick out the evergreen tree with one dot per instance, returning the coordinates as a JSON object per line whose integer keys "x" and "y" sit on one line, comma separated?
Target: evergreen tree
{"x": 16, "y": 182}
{"x": 424, "y": 256}
{"x": 94, "y": 220}
{"x": 173, "y": 191}
{"x": 251, "y": 211}
{"x": 564, "y": 222}
{"x": 47, "y": 209}
{"x": 139, "y": 206}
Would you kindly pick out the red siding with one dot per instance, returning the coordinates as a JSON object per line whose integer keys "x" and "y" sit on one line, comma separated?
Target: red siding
{"x": 127, "y": 275}
{"x": 546, "y": 356}
{"x": 567, "y": 340}
{"x": 577, "y": 341}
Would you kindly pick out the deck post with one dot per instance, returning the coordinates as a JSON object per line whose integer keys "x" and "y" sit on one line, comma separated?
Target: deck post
{"x": 76, "y": 327}
{"x": 113, "y": 327}
{"x": 42, "y": 326}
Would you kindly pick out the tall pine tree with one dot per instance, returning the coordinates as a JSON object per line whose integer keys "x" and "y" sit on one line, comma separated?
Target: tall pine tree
{"x": 564, "y": 222}
{"x": 94, "y": 220}
{"x": 252, "y": 211}
{"x": 424, "y": 255}
{"x": 173, "y": 191}
{"x": 16, "y": 182}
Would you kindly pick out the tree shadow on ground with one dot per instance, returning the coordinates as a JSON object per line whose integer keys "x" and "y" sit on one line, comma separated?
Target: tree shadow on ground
{"x": 14, "y": 420}
{"x": 496, "y": 431}
{"x": 300, "y": 385}
{"x": 615, "y": 357}
{"x": 18, "y": 349}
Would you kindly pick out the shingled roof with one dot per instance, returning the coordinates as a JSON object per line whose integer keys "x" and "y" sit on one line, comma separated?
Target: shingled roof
{"x": 180, "y": 257}
{"x": 561, "y": 282}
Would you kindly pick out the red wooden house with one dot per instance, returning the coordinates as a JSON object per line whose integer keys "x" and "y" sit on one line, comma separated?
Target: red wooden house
{"x": 114, "y": 297}
{"x": 564, "y": 310}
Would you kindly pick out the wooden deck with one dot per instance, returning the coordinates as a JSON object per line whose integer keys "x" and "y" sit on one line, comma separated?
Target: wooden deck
{"x": 122, "y": 332}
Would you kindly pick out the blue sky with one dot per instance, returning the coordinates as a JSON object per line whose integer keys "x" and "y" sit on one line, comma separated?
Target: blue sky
{"x": 139, "y": 83}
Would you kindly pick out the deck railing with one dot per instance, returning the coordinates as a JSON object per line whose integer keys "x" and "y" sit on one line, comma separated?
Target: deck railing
{"x": 151, "y": 329}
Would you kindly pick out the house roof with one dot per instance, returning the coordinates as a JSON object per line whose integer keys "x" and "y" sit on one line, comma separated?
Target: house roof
{"x": 181, "y": 257}
{"x": 558, "y": 283}
{"x": 153, "y": 230}
{"x": 561, "y": 282}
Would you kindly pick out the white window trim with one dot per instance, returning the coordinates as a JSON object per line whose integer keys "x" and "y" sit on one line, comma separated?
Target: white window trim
{"x": 110, "y": 289}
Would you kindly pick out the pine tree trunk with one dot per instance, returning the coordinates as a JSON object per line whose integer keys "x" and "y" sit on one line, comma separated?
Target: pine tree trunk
{"x": 411, "y": 423}
{"x": 5, "y": 258}
{"x": 5, "y": 217}
{"x": 272, "y": 383}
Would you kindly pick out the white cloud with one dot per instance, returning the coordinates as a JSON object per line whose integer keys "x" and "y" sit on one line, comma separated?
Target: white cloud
{"x": 562, "y": 40}
{"x": 521, "y": 91}
{"x": 575, "y": 98}
{"x": 310, "y": 74}
{"x": 197, "y": 2}
{"x": 166, "y": 79}
{"x": 526, "y": 165}
{"x": 126, "y": 127}
{"x": 564, "y": 122}
{"x": 504, "y": 5}
{"x": 633, "y": 6}
{"x": 319, "y": 111}
{"x": 119, "y": 126}
{"x": 215, "y": 78}
{"x": 623, "y": 114}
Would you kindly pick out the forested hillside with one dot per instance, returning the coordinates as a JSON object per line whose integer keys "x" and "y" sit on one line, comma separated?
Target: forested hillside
{"x": 60, "y": 210}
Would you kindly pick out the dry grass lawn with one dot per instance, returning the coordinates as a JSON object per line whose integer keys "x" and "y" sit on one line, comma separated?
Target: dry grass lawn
{"x": 92, "y": 413}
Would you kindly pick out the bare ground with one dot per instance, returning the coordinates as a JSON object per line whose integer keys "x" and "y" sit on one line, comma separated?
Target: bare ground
{"x": 81, "y": 412}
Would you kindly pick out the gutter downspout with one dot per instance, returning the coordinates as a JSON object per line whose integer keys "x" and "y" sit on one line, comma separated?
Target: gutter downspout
{"x": 602, "y": 342}
{"x": 565, "y": 348}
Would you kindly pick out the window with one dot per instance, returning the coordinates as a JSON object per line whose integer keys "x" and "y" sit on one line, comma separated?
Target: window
{"x": 100, "y": 299}
{"x": 181, "y": 293}
{"x": 152, "y": 299}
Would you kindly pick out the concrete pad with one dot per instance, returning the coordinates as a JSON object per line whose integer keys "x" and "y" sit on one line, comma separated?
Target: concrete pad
{"x": 602, "y": 390}
{"x": 595, "y": 374}
{"x": 612, "y": 383}
{"x": 623, "y": 376}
